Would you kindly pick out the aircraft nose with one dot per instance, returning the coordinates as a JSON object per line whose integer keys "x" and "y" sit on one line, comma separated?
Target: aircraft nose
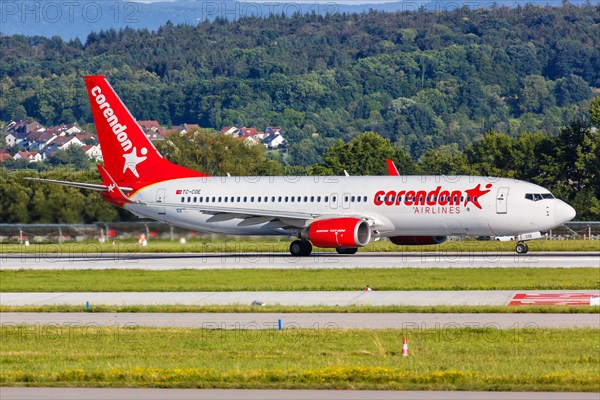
{"x": 563, "y": 213}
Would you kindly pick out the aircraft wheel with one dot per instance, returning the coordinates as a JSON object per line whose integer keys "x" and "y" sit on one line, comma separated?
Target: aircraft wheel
{"x": 347, "y": 250}
{"x": 522, "y": 248}
{"x": 300, "y": 248}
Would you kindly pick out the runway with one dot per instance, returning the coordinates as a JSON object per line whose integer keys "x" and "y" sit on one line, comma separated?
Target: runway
{"x": 313, "y": 298}
{"x": 159, "y": 261}
{"x": 9, "y": 393}
{"x": 52, "y": 322}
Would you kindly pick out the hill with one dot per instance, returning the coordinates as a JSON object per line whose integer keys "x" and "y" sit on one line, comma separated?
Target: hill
{"x": 421, "y": 79}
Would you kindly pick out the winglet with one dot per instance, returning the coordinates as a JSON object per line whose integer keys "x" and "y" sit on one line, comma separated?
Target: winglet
{"x": 392, "y": 170}
{"x": 113, "y": 193}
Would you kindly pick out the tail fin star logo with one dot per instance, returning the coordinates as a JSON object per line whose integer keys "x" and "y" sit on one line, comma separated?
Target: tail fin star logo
{"x": 132, "y": 160}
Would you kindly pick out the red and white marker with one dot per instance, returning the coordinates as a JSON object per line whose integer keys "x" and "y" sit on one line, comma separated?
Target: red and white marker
{"x": 404, "y": 348}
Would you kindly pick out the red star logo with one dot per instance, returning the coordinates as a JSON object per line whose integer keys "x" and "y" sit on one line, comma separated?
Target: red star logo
{"x": 474, "y": 194}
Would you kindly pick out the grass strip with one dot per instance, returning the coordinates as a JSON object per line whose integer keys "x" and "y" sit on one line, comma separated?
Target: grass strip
{"x": 444, "y": 359}
{"x": 307, "y": 309}
{"x": 298, "y": 279}
{"x": 242, "y": 246}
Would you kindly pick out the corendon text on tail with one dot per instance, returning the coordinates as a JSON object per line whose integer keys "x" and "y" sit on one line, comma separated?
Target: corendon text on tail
{"x": 344, "y": 213}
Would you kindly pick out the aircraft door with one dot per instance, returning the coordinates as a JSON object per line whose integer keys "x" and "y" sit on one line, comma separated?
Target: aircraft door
{"x": 346, "y": 201}
{"x": 502, "y": 200}
{"x": 160, "y": 198}
{"x": 333, "y": 201}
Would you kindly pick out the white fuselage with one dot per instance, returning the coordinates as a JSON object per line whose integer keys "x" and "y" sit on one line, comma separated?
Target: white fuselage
{"x": 396, "y": 205}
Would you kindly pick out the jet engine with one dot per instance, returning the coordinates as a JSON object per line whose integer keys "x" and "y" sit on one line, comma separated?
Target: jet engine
{"x": 338, "y": 233}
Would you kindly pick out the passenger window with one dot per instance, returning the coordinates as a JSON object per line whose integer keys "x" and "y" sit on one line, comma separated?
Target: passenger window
{"x": 318, "y": 199}
{"x": 183, "y": 199}
{"x": 200, "y": 199}
{"x": 326, "y": 199}
{"x": 353, "y": 199}
{"x": 219, "y": 199}
{"x": 252, "y": 199}
{"x": 225, "y": 199}
{"x": 312, "y": 199}
{"x": 305, "y": 199}
{"x": 279, "y": 199}
{"x": 292, "y": 199}
{"x": 189, "y": 199}
{"x": 286, "y": 199}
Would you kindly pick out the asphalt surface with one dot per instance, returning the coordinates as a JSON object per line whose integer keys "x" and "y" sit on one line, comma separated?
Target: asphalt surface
{"x": 270, "y": 321}
{"x": 311, "y": 298}
{"x": 8, "y": 393}
{"x": 158, "y": 261}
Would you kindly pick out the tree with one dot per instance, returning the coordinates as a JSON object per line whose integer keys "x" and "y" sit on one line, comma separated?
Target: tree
{"x": 364, "y": 155}
{"x": 74, "y": 156}
{"x": 216, "y": 154}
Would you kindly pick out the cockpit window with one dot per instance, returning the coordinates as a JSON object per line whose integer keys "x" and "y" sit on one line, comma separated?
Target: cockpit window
{"x": 538, "y": 196}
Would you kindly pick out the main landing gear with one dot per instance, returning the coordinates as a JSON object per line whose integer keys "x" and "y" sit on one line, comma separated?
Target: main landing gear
{"x": 347, "y": 250}
{"x": 300, "y": 248}
{"x": 522, "y": 248}
{"x": 303, "y": 248}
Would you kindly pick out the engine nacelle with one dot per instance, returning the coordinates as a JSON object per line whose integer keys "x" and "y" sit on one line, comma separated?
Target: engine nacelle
{"x": 418, "y": 240}
{"x": 338, "y": 233}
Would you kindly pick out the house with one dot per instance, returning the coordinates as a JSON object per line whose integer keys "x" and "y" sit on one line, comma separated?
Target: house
{"x": 26, "y": 126}
{"x": 4, "y": 157}
{"x": 63, "y": 142}
{"x": 15, "y": 138}
{"x": 190, "y": 127}
{"x": 149, "y": 126}
{"x": 273, "y": 130}
{"x": 250, "y": 137}
{"x": 39, "y": 140}
{"x": 31, "y": 156}
{"x": 85, "y": 137}
{"x": 70, "y": 129}
{"x": 93, "y": 151}
{"x": 154, "y": 135}
{"x": 231, "y": 131}
{"x": 273, "y": 141}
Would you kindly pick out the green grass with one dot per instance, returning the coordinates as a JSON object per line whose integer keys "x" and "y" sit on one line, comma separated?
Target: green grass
{"x": 546, "y": 309}
{"x": 445, "y": 359}
{"x": 274, "y": 245}
{"x": 298, "y": 279}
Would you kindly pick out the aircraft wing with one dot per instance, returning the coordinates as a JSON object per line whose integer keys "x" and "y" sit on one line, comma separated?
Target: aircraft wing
{"x": 293, "y": 219}
{"x": 80, "y": 185}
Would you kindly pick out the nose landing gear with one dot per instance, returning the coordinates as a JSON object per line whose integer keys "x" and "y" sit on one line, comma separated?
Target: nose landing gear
{"x": 521, "y": 248}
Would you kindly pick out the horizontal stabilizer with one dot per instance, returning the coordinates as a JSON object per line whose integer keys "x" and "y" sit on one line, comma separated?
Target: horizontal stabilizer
{"x": 81, "y": 185}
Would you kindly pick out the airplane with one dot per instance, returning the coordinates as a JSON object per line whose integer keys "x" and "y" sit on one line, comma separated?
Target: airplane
{"x": 344, "y": 213}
